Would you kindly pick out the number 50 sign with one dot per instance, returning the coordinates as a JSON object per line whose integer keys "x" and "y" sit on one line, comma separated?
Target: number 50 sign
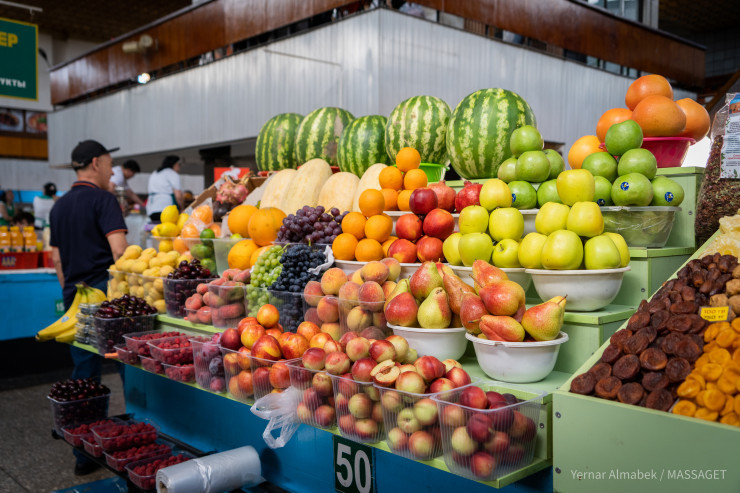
{"x": 353, "y": 467}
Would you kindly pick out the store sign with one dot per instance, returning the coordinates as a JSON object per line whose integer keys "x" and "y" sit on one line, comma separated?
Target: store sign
{"x": 18, "y": 60}
{"x": 353, "y": 467}
{"x": 714, "y": 313}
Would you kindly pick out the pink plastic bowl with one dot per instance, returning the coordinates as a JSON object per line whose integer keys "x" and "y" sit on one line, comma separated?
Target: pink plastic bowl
{"x": 668, "y": 151}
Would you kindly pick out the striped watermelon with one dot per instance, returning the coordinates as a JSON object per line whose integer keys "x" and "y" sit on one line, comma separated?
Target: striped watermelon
{"x": 318, "y": 135}
{"x": 362, "y": 144}
{"x": 276, "y": 142}
{"x": 478, "y": 132}
{"x": 419, "y": 122}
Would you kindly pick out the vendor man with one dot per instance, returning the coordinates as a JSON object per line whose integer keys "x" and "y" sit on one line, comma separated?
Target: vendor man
{"x": 121, "y": 175}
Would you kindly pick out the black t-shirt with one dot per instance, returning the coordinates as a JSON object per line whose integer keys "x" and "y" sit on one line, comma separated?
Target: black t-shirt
{"x": 81, "y": 221}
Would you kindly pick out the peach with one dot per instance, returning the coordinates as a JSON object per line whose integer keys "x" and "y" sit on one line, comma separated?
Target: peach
{"x": 325, "y": 415}
{"x": 441, "y": 385}
{"x": 346, "y": 386}
{"x": 358, "y": 348}
{"x": 523, "y": 428}
{"x": 268, "y": 316}
{"x": 356, "y": 277}
{"x": 308, "y": 330}
{"x": 421, "y": 445}
{"x": 205, "y": 315}
{"x": 397, "y": 440}
{"x": 479, "y": 427}
{"x": 425, "y": 410}
{"x": 346, "y": 337}
{"x": 498, "y": 443}
{"x": 243, "y": 359}
{"x": 429, "y": 248}
{"x": 245, "y": 382}
{"x": 337, "y": 363}
{"x": 312, "y": 293}
{"x": 430, "y": 368}
{"x": 403, "y": 251}
{"x": 332, "y": 280}
{"x": 382, "y": 350}
{"x": 349, "y": 292}
{"x": 261, "y": 377}
{"x": 231, "y": 362}
{"x": 482, "y": 464}
{"x": 407, "y": 367}
{"x": 407, "y": 421}
{"x": 458, "y": 377}
{"x": 266, "y": 347}
{"x": 402, "y": 310}
{"x": 375, "y": 271}
{"x": 314, "y": 358}
{"x": 450, "y": 364}
{"x": 321, "y": 382}
{"x": 473, "y": 397}
{"x": 379, "y": 320}
{"x": 360, "y": 406}
{"x": 439, "y": 223}
{"x": 279, "y": 376}
{"x": 394, "y": 268}
{"x": 245, "y": 322}
{"x": 371, "y": 296}
{"x": 412, "y": 382}
{"x": 409, "y": 227}
{"x": 230, "y": 339}
{"x": 388, "y": 287}
{"x": 358, "y": 319}
{"x": 312, "y": 315}
{"x": 366, "y": 429}
{"x": 453, "y": 416}
{"x": 294, "y": 345}
{"x": 346, "y": 424}
{"x": 461, "y": 441}
{"x": 385, "y": 374}
{"x": 377, "y": 414}
{"x": 373, "y": 392}
{"x": 318, "y": 340}
{"x": 250, "y": 334}
{"x": 372, "y": 333}
{"x": 311, "y": 398}
{"x": 332, "y": 346}
{"x": 411, "y": 357}
{"x": 328, "y": 309}
{"x": 274, "y": 332}
{"x": 362, "y": 368}
{"x": 304, "y": 414}
{"x": 400, "y": 344}
{"x": 332, "y": 329}
{"x": 392, "y": 401}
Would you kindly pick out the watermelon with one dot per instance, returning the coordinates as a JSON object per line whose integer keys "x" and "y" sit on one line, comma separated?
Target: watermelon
{"x": 362, "y": 144}
{"x": 419, "y": 122}
{"x": 479, "y": 130}
{"x": 276, "y": 141}
{"x": 318, "y": 135}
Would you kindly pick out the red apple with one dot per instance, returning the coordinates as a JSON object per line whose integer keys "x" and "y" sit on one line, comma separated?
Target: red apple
{"x": 445, "y": 195}
{"x": 439, "y": 223}
{"x": 403, "y": 250}
{"x": 429, "y": 249}
{"x": 409, "y": 227}
{"x": 422, "y": 200}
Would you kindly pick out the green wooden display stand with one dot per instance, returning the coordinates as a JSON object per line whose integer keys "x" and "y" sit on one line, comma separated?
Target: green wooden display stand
{"x": 690, "y": 178}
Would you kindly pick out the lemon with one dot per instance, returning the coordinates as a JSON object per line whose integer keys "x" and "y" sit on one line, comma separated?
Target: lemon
{"x": 165, "y": 246}
{"x": 170, "y": 214}
{"x": 132, "y": 252}
{"x": 120, "y": 262}
{"x": 158, "y": 285}
{"x": 182, "y": 219}
{"x": 168, "y": 230}
{"x": 160, "y": 306}
{"x": 166, "y": 269}
{"x": 155, "y": 262}
{"x": 126, "y": 265}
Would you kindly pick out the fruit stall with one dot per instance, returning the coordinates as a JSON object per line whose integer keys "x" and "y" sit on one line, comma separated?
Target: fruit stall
{"x": 496, "y": 332}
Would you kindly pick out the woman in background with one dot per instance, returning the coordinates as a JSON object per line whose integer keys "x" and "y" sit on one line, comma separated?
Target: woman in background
{"x": 7, "y": 209}
{"x": 42, "y": 205}
{"x": 164, "y": 188}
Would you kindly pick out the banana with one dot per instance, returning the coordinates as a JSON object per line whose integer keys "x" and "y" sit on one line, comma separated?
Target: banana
{"x": 95, "y": 295}
{"x": 65, "y": 322}
{"x": 67, "y": 336}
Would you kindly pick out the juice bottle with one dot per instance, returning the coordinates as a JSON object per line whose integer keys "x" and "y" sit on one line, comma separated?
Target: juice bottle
{"x": 16, "y": 239}
{"x": 4, "y": 239}
{"x": 29, "y": 239}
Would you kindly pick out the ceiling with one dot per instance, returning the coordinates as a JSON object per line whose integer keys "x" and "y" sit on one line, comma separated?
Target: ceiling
{"x": 690, "y": 17}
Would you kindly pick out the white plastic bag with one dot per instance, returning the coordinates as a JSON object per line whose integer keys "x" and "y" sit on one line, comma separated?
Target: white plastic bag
{"x": 280, "y": 410}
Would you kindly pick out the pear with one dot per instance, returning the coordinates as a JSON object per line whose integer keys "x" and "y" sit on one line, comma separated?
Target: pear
{"x": 402, "y": 286}
{"x": 434, "y": 311}
{"x": 425, "y": 280}
{"x": 402, "y": 310}
{"x": 501, "y": 328}
{"x": 502, "y": 298}
{"x": 471, "y": 310}
{"x": 455, "y": 288}
{"x": 544, "y": 321}
{"x": 485, "y": 273}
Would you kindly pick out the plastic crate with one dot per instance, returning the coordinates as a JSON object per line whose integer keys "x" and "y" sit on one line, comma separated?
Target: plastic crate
{"x": 176, "y": 291}
{"x": 126, "y": 356}
{"x": 317, "y": 392}
{"x": 359, "y": 412}
{"x": 290, "y": 305}
{"x": 118, "y": 460}
{"x": 119, "y": 436}
{"x": 209, "y": 365}
{"x": 151, "y": 365}
{"x": 73, "y": 412}
{"x": 364, "y": 319}
{"x": 149, "y": 481}
{"x": 172, "y": 350}
{"x": 91, "y": 446}
{"x": 227, "y": 304}
{"x": 109, "y": 332}
{"x": 238, "y": 374}
{"x": 138, "y": 341}
{"x": 184, "y": 373}
{"x": 641, "y": 226}
{"x": 270, "y": 376}
{"x": 74, "y": 434}
{"x": 19, "y": 260}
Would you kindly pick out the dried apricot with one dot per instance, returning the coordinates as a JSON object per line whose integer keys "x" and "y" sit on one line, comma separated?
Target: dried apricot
{"x": 737, "y": 404}
{"x": 725, "y": 338}
{"x": 729, "y": 406}
{"x": 711, "y": 371}
{"x": 700, "y": 398}
{"x": 736, "y": 325}
{"x": 736, "y": 355}
{"x": 726, "y": 384}
{"x": 684, "y": 408}
{"x": 688, "y": 389}
{"x": 711, "y": 386}
{"x": 719, "y": 356}
{"x": 730, "y": 419}
{"x": 714, "y": 400}
{"x": 711, "y": 346}
{"x": 695, "y": 375}
{"x": 711, "y": 332}
{"x": 706, "y": 414}
{"x": 703, "y": 359}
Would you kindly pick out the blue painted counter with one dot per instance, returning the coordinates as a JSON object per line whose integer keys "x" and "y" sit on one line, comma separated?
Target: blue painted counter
{"x": 29, "y": 297}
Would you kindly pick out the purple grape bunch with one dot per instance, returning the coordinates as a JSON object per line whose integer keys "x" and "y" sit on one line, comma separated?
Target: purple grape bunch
{"x": 311, "y": 225}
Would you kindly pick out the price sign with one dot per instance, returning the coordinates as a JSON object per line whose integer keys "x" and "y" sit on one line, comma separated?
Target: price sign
{"x": 353, "y": 467}
{"x": 715, "y": 313}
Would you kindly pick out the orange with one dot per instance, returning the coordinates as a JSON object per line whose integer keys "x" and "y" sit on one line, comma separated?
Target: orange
{"x": 391, "y": 199}
{"x": 372, "y": 202}
{"x": 379, "y": 227}
{"x": 588, "y": 144}
{"x": 354, "y": 224}
{"x": 647, "y": 85}
{"x": 179, "y": 245}
{"x": 391, "y": 177}
{"x": 414, "y": 179}
{"x": 190, "y": 230}
{"x": 256, "y": 254}
{"x": 609, "y": 118}
{"x": 407, "y": 159}
{"x": 264, "y": 225}
{"x": 368, "y": 250}
{"x": 238, "y": 220}
{"x": 344, "y": 246}
{"x": 659, "y": 116}
{"x": 403, "y": 200}
{"x": 387, "y": 244}
{"x": 216, "y": 228}
{"x": 204, "y": 213}
{"x": 240, "y": 255}
{"x": 697, "y": 119}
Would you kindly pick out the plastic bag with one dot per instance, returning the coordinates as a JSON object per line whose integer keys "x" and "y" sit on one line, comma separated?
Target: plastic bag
{"x": 280, "y": 410}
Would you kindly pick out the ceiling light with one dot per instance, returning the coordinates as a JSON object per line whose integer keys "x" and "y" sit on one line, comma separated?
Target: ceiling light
{"x": 143, "y": 78}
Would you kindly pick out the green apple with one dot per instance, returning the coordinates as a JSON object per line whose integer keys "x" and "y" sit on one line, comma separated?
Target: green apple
{"x": 632, "y": 189}
{"x": 530, "y": 250}
{"x": 563, "y": 250}
{"x": 551, "y": 217}
{"x": 507, "y": 170}
{"x": 525, "y": 138}
{"x": 557, "y": 164}
{"x": 638, "y": 161}
{"x": 495, "y": 193}
{"x": 621, "y": 137}
{"x": 667, "y": 192}
{"x": 506, "y": 222}
{"x": 235, "y": 236}
{"x": 600, "y": 252}
{"x": 585, "y": 219}
{"x": 548, "y": 192}
{"x": 523, "y": 195}
{"x": 506, "y": 254}
{"x": 602, "y": 191}
{"x": 473, "y": 219}
{"x": 475, "y": 246}
{"x": 624, "y": 250}
{"x": 575, "y": 185}
{"x": 533, "y": 166}
{"x": 450, "y": 249}
{"x": 601, "y": 164}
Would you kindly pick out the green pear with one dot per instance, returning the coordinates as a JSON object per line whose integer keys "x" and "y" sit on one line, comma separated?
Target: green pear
{"x": 544, "y": 321}
{"x": 425, "y": 280}
{"x": 402, "y": 286}
{"x": 434, "y": 311}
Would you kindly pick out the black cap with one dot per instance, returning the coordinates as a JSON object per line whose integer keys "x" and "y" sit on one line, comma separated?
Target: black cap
{"x": 83, "y": 154}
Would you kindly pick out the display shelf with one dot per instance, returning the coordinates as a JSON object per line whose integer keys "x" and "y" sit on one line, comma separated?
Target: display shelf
{"x": 650, "y": 267}
{"x": 690, "y": 178}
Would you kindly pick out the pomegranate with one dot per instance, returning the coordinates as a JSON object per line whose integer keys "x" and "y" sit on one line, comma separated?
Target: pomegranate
{"x": 469, "y": 195}
{"x": 445, "y": 196}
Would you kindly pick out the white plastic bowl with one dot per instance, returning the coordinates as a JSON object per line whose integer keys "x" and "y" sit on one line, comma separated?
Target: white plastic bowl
{"x": 529, "y": 216}
{"x": 349, "y": 266}
{"x": 587, "y": 290}
{"x": 518, "y": 275}
{"x": 517, "y": 362}
{"x": 441, "y": 343}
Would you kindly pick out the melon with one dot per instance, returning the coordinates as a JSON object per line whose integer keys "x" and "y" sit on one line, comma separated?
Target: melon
{"x": 306, "y": 185}
{"x": 479, "y": 130}
{"x": 362, "y": 144}
{"x": 275, "y": 188}
{"x": 339, "y": 191}
{"x": 318, "y": 134}
{"x": 419, "y": 122}
{"x": 370, "y": 179}
{"x": 275, "y": 149}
